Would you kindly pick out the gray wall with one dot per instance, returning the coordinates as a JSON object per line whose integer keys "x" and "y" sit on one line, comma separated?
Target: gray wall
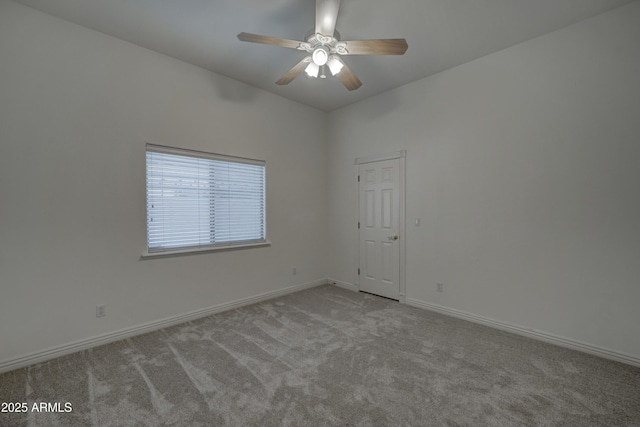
{"x": 76, "y": 108}
{"x": 524, "y": 166}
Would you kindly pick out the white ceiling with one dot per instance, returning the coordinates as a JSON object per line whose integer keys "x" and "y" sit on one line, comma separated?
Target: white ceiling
{"x": 441, "y": 34}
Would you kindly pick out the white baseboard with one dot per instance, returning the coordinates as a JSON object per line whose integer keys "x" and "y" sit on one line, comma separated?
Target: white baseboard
{"x": 531, "y": 333}
{"x": 343, "y": 285}
{"x": 73, "y": 347}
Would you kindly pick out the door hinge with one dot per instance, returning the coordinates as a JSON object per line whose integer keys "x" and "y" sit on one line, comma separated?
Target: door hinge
{"x": 358, "y": 225}
{"x": 358, "y": 178}
{"x": 358, "y": 271}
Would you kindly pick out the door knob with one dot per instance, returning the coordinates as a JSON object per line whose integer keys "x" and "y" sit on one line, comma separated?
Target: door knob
{"x": 393, "y": 237}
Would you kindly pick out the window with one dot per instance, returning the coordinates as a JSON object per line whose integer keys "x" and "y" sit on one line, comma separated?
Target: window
{"x": 199, "y": 201}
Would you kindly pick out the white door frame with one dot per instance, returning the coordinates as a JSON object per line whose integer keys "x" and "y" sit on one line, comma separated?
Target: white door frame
{"x": 401, "y": 155}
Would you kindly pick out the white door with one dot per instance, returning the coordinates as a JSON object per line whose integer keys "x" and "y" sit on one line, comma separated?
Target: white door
{"x": 380, "y": 228}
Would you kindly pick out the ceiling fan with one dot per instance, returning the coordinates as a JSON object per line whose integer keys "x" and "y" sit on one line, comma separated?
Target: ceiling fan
{"x": 325, "y": 48}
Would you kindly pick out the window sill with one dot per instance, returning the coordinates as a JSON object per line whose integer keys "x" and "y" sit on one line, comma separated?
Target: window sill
{"x": 194, "y": 251}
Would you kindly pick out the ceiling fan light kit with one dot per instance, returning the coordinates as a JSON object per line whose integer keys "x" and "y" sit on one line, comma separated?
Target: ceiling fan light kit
{"x": 335, "y": 65}
{"x": 324, "y": 46}
{"x": 320, "y": 56}
{"x": 312, "y": 69}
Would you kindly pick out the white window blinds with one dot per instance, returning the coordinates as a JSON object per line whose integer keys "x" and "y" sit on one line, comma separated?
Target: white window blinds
{"x": 199, "y": 200}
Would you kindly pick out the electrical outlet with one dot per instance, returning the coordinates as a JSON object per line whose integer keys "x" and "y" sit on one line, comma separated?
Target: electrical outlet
{"x": 101, "y": 310}
{"x": 294, "y": 270}
{"x": 440, "y": 287}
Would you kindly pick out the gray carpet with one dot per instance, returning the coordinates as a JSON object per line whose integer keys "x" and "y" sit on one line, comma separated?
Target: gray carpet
{"x": 327, "y": 356}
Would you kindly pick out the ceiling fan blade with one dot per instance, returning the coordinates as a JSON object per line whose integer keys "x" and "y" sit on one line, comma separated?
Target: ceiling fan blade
{"x": 348, "y": 79}
{"x": 274, "y": 41}
{"x": 294, "y": 72}
{"x": 376, "y": 47}
{"x": 326, "y": 16}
